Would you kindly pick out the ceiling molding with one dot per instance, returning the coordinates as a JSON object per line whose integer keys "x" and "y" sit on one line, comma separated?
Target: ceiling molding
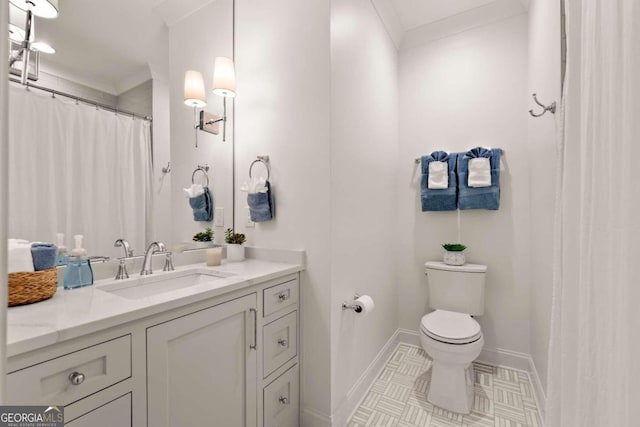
{"x": 478, "y": 17}
{"x": 174, "y": 11}
{"x": 390, "y": 19}
{"x": 133, "y": 80}
{"x": 78, "y": 78}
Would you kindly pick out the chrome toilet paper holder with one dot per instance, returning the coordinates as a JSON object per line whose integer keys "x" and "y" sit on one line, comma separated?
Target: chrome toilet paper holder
{"x": 353, "y": 306}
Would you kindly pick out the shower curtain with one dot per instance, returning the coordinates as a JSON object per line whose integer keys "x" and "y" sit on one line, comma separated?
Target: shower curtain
{"x": 76, "y": 169}
{"x": 594, "y": 351}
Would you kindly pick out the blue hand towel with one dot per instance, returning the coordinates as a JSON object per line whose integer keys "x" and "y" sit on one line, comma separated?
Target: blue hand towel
{"x": 44, "y": 256}
{"x": 202, "y": 206}
{"x": 438, "y": 199}
{"x": 261, "y": 205}
{"x": 479, "y": 197}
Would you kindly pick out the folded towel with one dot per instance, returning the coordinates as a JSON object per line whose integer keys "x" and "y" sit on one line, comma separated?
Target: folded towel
{"x": 261, "y": 205}
{"x": 19, "y": 256}
{"x": 479, "y": 167}
{"x": 44, "y": 256}
{"x": 194, "y": 191}
{"x": 202, "y": 206}
{"x": 255, "y": 185}
{"x": 438, "y": 175}
{"x": 438, "y": 199}
{"x": 479, "y": 197}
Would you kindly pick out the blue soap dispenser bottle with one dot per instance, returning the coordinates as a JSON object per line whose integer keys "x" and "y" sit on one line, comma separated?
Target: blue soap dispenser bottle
{"x": 79, "y": 272}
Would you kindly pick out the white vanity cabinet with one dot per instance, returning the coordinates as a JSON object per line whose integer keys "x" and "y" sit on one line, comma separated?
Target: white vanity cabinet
{"x": 201, "y": 368}
{"x": 226, "y": 360}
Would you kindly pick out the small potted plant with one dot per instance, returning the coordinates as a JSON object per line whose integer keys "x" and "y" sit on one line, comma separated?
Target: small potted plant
{"x": 204, "y": 239}
{"x": 235, "y": 250}
{"x": 454, "y": 254}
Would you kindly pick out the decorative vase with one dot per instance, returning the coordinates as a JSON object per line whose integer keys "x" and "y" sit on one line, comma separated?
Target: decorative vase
{"x": 454, "y": 258}
{"x": 235, "y": 252}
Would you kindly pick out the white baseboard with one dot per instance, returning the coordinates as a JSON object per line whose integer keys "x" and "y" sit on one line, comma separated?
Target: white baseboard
{"x": 312, "y": 418}
{"x": 492, "y": 356}
{"x": 360, "y": 389}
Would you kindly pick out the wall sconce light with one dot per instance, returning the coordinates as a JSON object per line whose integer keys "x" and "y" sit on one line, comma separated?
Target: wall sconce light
{"x": 224, "y": 84}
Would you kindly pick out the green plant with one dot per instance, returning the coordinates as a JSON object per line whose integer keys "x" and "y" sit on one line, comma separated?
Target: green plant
{"x": 454, "y": 247}
{"x": 234, "y": 238}
{"x": 204, "y": 236}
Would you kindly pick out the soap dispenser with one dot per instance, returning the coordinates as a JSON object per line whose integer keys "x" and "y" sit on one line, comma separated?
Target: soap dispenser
{"x": 79, "y": 272}
{"x": 61, "y": 255}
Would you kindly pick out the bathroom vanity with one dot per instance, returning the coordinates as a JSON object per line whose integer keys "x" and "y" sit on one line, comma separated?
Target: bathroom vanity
{"x": 196, "y": 346}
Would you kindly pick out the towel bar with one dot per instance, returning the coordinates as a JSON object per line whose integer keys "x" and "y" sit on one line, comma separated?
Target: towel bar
{"x": 419, "y": 159}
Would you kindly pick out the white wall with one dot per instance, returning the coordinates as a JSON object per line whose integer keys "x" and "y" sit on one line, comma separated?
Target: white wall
{"x": 459, "y": 92}
{"x": 194, "y": 42}
{"x": 545, "y": 80}
{"x": 283, "y": 102}
{"x": 364, "y": 145}
{"x": 138, "y": 99}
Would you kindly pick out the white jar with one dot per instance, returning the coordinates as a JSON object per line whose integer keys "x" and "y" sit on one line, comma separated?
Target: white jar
{"x": 454, "y": 258}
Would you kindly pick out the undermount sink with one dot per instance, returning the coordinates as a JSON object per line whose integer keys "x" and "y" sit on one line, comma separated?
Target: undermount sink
{"x": 146, "y": 286}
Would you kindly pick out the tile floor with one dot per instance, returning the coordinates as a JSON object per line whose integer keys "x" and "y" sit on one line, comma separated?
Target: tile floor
{"x": 398, "y": 397}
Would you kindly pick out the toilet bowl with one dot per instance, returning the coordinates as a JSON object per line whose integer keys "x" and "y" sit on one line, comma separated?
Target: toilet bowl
{"x": 453, "y": 341}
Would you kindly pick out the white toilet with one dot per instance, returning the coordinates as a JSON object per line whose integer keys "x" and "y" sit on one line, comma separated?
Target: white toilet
{"x": 449, "y": 335}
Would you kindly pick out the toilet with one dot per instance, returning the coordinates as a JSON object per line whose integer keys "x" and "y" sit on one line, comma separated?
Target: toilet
{"x": 450, "y": 335}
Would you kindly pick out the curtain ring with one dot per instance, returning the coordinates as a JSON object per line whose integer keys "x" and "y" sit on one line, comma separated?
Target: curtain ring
{"x": 193, "y": 175}
{"x": 266, "y": 165}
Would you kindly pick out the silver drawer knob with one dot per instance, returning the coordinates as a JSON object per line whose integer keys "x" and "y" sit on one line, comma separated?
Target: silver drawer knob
{"x": 76, "y": 378}
{"x": 284, "y": 400}
{"x": 283, "y": 342}
{"x": 283, "y": 296}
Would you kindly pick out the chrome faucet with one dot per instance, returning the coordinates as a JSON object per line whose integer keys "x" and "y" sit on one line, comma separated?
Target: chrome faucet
{"x": 153, "y": 248}
{"x": 128, "y": 252}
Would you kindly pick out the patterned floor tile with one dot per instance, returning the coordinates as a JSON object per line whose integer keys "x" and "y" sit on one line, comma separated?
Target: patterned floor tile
{"x": 398, "y": 397}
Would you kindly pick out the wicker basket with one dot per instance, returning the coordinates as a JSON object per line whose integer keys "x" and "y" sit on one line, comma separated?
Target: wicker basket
{"x": 27, "y": 288}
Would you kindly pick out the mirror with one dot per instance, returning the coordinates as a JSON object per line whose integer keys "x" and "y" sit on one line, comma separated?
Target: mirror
{"x": 90, "y": 163}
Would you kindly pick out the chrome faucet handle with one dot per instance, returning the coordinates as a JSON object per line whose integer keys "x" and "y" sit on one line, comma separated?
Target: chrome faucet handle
{"x": 122, "y": 270}
{"x": 168, "y": 262}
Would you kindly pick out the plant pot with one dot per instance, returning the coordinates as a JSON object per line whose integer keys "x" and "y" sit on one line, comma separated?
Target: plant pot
{"x": 235, "y": 252}
{"x": 454, "y": 258}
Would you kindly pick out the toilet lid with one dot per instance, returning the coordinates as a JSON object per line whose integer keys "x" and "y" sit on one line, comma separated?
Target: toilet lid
{"x": 451, "y": 327}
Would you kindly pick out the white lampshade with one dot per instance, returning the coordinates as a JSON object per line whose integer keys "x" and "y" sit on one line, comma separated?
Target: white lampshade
{"x": 43, "y": 47}
{"x": 41, "y": 8}
{"x": 16, "y": 34}
{"x": 224, "y": 77}
{"x": 194, "y": 94}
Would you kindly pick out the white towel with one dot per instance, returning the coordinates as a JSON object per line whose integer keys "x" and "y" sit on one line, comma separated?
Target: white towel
{"x": 194, "y": 191}
{"x": 19, "y": 256}
{"x": 255, "y": 185}
{"x": 438, "y": 175}
{"x": 479, "y": 172}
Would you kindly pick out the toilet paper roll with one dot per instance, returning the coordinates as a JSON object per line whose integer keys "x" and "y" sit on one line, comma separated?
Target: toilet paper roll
{"x": 364, "y": 305}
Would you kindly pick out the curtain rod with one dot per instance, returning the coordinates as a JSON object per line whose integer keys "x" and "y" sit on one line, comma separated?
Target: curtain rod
{"x": 83, "y": 100}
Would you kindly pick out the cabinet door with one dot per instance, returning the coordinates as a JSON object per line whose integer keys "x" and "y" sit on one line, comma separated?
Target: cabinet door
{"x": 115, "y": 413}
{"x": 201, "y": 368}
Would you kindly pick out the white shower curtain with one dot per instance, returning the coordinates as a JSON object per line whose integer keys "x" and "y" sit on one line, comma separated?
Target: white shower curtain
{"x": 76, "y": 169}
{"x": 594, "y": 354}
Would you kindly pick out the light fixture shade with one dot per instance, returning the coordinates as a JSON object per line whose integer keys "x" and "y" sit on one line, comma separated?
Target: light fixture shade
{"x": 16, "y": 34}
{"x": 194, "y": 94}
{"x": 41, "y": 8}
{"x": 224, "y": 77}
{"x": 43, "y": 47}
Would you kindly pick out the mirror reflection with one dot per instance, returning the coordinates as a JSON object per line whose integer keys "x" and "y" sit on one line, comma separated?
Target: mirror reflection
{"x": 101, "y": 141}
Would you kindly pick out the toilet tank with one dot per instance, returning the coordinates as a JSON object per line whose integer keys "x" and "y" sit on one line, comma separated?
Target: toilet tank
{"x": 456, "y": 288}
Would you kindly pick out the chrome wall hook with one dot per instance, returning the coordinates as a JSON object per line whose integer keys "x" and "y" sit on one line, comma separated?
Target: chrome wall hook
{"x": 167, "y": 169}
{"x": 551, "y": 108}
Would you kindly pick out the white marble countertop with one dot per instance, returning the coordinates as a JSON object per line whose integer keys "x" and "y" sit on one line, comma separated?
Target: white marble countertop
{"x": 74, "y": 313}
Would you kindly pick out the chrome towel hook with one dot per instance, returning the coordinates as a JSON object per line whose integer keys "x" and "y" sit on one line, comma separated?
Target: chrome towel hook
{"x": 551, "y": 108}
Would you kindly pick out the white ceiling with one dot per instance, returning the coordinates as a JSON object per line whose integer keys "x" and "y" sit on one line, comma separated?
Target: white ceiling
{"x": 110, "y": 45}
{"x": 415, "y": 13}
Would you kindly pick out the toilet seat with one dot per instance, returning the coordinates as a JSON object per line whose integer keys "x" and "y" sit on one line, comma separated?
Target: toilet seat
{"x": 450, "y": 327}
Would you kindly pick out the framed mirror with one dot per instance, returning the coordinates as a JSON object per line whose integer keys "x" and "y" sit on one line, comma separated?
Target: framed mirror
{"x": 102, "y": 143}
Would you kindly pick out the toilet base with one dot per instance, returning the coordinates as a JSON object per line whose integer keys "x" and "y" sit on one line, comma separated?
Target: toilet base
{"x": 452, "y": 387}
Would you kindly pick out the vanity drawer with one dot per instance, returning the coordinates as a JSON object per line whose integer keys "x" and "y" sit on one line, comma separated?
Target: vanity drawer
{"x": 281, "y": 400}
{"x": 280, "y": 340}
{"x": 280, "y": 296}
{"x": 92, "y": 369}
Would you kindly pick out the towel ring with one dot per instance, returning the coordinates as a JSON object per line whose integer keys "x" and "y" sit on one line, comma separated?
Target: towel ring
{"x": 263, "y": 160}
{"x": 203, "y": 169}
